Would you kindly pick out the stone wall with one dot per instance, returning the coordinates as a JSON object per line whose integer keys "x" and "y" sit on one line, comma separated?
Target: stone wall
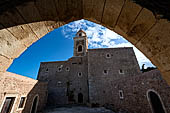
{"x": 19, "y": 86}
{"x": 116, "y": 62}
{"x": 135, "y": 89}
{"x": 63, "y": 79}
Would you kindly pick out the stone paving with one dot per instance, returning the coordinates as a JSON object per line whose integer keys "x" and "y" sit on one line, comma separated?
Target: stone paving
{"x": 79, "y": 109}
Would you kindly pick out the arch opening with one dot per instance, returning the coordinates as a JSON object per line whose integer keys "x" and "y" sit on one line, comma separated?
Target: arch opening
{"x": 80, "y": 98}
{"x": 80, "y": 48}
{"x": 98, "y": 36}
{"x": 155, "y": 102}
{"x": 34, "y": 104}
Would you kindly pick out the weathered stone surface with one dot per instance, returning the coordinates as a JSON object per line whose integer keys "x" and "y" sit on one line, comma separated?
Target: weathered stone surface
{"x": 93, "y": 10}
{"x": 10, "y": 19}
{"x": 19, "y": 86}
{"x": 51, "y": 25}
{"x": 10, "y": 46}
{"x": 39, "y": 28}
{"x": 75, "y": 9}
{"x": 135, "y": 92}
{"x": 162, "y": 60}
{"x": 47, "y": 9}
{"x": 69, "y": 10}
{"x": 127, "y": 17}
{"x": 156, "y": 40}
{"x": 166, "y": 76}
{"x": 32, "y": 16}
{"x": 143, "y": 23}
{"x": 61, "y": 7}
{"x": 4, "y": 63}
{"x": 21, "y": 32}
{"x": 24, "y": 33}
{"x": 29, "y": 12}
{"x": 112, "y": 11}
{"x": 100, "y": 83}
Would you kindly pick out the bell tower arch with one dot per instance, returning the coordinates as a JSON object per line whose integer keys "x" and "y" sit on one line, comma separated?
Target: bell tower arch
{"x": 80, "y": 43}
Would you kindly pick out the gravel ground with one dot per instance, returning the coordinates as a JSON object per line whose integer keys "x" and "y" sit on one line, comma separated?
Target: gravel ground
{"x": 79, "y": 109}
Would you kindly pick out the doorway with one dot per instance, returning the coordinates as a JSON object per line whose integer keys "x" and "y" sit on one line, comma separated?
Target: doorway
{"x": 80, "y": 98}
{"x": 34, "y": 104}
{"x": 156, "y": 104}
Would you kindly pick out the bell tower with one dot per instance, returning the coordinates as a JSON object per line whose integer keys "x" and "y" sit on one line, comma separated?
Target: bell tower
{"x": 80, "y": 43}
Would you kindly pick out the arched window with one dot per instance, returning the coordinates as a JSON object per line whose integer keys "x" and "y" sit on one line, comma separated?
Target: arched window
{"x": 155, "y": 102}
{"x": 80, "y": 48}
{"x": 108, "y": 55}
{"x": 35, "y": 104}
{"x": 80, "y": 74}
{"x": 80, "y": 34}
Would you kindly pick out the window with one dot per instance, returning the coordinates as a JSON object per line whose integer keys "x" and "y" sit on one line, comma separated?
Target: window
{"x": 108, "y": 55}
{"x": 59, "y": 69}
{"x": 67, "y": 69}
{"x": 59, "y": 83}
{"x": 80, "y": 74}
{"x": 121, "y": 94}
{"x": 74, "y": 63}
{"x": 121, "y": 71}
{"x": 80, "y": 34}
{"x": 22, "y": 102}
{"x": 46, "y": 70}
{"x": 105, "y": 72}
{"x": 80, "y": 48}
{"x": 8, "y": 104}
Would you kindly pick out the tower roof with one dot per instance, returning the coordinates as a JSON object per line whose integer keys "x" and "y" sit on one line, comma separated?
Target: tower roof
{"x": 80, "y": 31}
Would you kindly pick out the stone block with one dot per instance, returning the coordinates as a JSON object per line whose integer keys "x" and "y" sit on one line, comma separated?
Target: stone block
{"x": 155, "y": 41}
{"x": 127, "y": 17}
{"x": 166, "y": 76}
{"x": 142, "y": 25}
{"x": 10, "y": 46}
{"x": 4, "y": 63}
{"x": 11, "y": 18}
{"x": 112, "y": 11}
{"x": 93, "y": 10}
{"x": 24, "y": 34}
{"x": 47, "y": 9}
{"x": 162, "y": 60}
{"x": 32, "y": 16}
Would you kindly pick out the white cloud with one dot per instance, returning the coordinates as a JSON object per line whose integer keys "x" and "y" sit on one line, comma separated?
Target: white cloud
{"x": 99, "y": 37}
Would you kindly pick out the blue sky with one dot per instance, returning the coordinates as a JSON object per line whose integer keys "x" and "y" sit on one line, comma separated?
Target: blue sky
{"x": 58, "y": 45}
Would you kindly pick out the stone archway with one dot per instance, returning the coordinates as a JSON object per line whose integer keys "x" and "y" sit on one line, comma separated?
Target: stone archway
{"x": 25, "y": 22}
{"x": 80, "y": 98}
{"x": 34, "y": 104}
{"x": 155, "y": 102}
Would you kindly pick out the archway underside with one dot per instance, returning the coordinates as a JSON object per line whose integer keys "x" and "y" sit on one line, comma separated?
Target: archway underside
{"x": 26, "y": 23}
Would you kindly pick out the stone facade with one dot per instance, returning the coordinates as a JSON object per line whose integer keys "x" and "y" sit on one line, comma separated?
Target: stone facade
{"x": 106, "y": 66}
{"x": 65, "y": 79}
{"x": 135, "y": 92}
{"x": 90, "y": 73}
{"x": 17, "y": 86}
